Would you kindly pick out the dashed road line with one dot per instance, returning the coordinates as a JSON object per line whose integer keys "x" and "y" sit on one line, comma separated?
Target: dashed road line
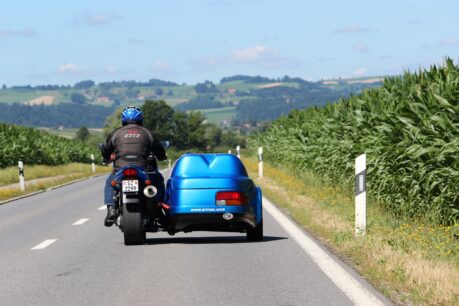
{"x": 103, "y": 207}
{"x": 44, "y": 244}
{"x": 81, "y": 221}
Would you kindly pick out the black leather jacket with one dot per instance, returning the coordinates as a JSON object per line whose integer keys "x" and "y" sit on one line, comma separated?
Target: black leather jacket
{"x": 132, "y": 145}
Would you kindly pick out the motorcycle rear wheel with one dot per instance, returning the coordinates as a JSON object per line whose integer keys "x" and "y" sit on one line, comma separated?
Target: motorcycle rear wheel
{"x": 133, "y": 228}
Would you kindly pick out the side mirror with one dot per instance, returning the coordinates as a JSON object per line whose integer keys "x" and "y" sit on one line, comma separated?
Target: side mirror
{"x": 165, "y": 144}
{"x": 102, "y": 148}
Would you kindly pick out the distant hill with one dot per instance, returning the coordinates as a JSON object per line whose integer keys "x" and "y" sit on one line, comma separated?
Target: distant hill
{"x": 235, "y": 94}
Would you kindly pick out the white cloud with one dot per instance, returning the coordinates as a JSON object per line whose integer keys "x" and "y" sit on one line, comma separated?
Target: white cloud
{"x": 259, "y": 55}
{"x": 206, "y": 64}
{"x": 361, "y": 47}
{"x": 449, "y": 42}
{"x": 264, "y": 56}
{"x": 99, "y": 19}
{"x": 111, "y": 70}
{"x": 27, "y": 32}
{"x": 351, "y": 29}
{"x": 92, "y": 19}
{"x": 4, "y": 33}
{"x": 360, "y": 72}
{"x": 70, "y": 68}
{"x": 253, "y": 54}
{"x": 160, "y": 65}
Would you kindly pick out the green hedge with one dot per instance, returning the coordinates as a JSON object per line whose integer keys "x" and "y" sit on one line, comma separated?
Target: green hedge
{"x": 409, "y": 129}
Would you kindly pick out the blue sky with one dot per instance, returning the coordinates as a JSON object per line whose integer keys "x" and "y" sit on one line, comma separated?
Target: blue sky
{"x": 62, "y": 42}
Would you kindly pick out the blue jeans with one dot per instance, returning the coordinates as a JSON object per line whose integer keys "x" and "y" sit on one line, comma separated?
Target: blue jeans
{"x": 157, "y": 179}
{"x": 108, "y": 190}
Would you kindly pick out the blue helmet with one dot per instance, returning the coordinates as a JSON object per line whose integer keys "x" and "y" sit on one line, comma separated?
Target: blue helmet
{"x": 132, "y": 114}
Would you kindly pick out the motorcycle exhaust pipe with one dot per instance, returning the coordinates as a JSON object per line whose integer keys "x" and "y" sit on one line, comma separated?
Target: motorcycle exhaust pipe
{"x": 150, "y": 191}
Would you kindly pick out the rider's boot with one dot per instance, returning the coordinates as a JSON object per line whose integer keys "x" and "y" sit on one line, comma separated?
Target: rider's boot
{"x": 111, "y": 216}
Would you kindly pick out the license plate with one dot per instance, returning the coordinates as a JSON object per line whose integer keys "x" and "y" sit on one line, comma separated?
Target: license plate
{"x": 130, "y": 185}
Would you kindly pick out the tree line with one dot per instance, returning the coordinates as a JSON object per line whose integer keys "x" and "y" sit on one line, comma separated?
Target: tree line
{"x": 66, "y": 114}
{"x": 185, "y": 130}
{"x": 270, "y": 103}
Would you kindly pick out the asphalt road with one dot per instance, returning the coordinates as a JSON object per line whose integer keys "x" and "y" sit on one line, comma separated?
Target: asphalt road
{"x": 88, "y": 264}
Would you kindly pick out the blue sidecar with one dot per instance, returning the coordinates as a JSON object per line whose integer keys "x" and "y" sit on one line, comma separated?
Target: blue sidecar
{"x": 212, "y": 192}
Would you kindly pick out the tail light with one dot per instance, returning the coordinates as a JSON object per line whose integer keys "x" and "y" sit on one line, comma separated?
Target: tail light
{"x": 130, "y": 172}
{"x": 230, "y": 198}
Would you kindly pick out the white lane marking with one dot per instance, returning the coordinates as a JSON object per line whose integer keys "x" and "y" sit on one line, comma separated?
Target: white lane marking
{"x": 44, "y": 244}
{"x": 353, "y": 289}
{"x": 103, "y": 207}
{"x": 81, "y": 221}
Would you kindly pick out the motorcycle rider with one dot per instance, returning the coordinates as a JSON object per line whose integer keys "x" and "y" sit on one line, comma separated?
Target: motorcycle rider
{"x": 132, "y": 144}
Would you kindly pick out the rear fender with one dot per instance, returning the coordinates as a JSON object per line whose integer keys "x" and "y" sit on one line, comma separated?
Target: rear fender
{"x": 259, "y": 206}
{"x": 133, "y": 201}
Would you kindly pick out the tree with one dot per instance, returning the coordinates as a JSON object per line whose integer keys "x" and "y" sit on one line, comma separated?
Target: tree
{"x": 82, "y": 134}
{"x": 84, "y": 84}
{"x": 159, "y": 91}
{"x": 214, "y": 135}
{"x": 185, "y": 131}
{"x": 113, "y": 121}
{"x": 170, "y": 92}
{"x": 189, "y": 131}
{"x": 78, "y": 98}
{"x": 206, "y": 87}
{"x": 132, "y": 93}
{"x": 4, "y": 87}
{"x": 230, "y": 139}
{"x": 158, "y": 117}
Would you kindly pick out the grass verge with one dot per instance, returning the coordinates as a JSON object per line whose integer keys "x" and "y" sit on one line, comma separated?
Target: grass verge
{"x": 44, "y": 177}
{"x": 409, "y": 261}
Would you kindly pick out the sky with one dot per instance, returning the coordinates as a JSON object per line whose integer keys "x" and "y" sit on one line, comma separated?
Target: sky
{"x": 189, "y": 41}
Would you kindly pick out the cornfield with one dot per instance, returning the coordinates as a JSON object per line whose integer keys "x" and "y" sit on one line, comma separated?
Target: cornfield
{"x": 409, "y": 129}
{"x": 35, "y": 147}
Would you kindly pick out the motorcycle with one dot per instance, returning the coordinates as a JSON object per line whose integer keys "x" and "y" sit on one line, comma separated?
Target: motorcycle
{"x": 136, "y": 201}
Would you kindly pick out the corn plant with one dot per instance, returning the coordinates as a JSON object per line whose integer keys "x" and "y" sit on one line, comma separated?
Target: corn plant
{"x": 409, "y": 129}
{"x": 35, "y": 147}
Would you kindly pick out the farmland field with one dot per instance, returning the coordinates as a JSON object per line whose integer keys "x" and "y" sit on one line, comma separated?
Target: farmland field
{"x": 70, "y": 133}
{"x": 242, "y": 86}
{"x": 21, "y": 96}
{"x": 217, "y": 115}
{"x": 409, "y": 130}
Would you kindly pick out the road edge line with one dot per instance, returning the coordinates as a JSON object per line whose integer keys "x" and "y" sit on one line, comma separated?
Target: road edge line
{"x": 348, "y": 284}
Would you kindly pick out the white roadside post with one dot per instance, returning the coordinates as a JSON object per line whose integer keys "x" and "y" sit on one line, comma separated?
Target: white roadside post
{"x": 169, "y": 163}
{"x": 260, "y": 162}
{"x": 92, "y": 164}
{"x": 238, "y": 149}
{"x": 229, "y": 151}
{"x": 360, "y": 195}
{"x": 21, "y": 176}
